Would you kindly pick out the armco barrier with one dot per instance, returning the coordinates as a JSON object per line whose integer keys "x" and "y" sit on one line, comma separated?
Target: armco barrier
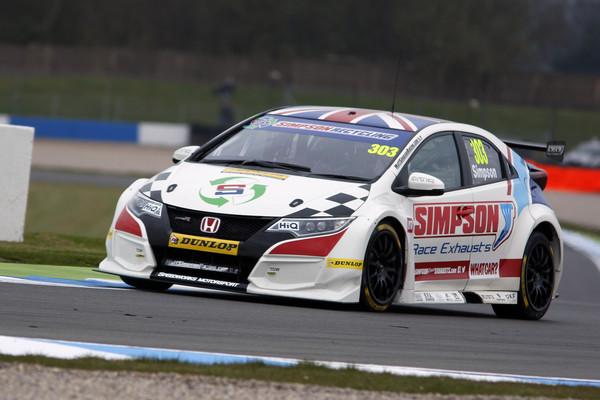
{"x": 144, "y": 133}
{"x": 571, "y": 179}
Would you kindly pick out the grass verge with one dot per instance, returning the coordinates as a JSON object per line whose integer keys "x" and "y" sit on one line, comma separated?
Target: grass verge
{"x": 308, "y": 373}
{"x": 54, "y": 249}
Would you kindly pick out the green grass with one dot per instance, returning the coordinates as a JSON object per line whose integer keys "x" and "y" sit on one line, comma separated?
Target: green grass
{"x": 54, "y": 249}
{"x": 308, "y": 373}
{"x": 130, "y": 99}
{"x": 67, "y": 209}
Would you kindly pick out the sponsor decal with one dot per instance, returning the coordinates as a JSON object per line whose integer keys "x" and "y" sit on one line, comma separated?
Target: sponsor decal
{"x": 255, "y": 173}
{"x": 410, "y": 224}
{"x": 479, "y": 151}
{"x": 383, "y": 150}
{"x": 286, "y": 226}
{"x": 261, "y": 122}
{"x": 408, "y": 151}
{"x": 439, "y": 297}
{"x": 336, "y": 130}
{"x": 206, "y": 244}
{"x": 152, "y": 208}
{"x": 446, "y": 220}
{"x": 452, "y": 248}
{"x": 497, "y": 297}
{"x": 484, "y": 173}
{"x": 344, "y": 263}
{"x": 235, "y": 190}
{"x": 186, "y": 278}
{"x": 199, "y": 266}
{"x": 421, "y": 179}
{"x": 441, "y": 270}
{"x": 210, "y": 224}
{"x": 504, "y": 268}
{"x": 483, "y": 270}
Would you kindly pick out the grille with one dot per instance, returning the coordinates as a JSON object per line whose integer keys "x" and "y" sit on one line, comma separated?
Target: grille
{"x": 205, "y": 265}
{"x": 232, "y": 227}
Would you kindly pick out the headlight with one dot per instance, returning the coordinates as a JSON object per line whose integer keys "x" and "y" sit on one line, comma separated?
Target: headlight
{"x": 141, "y": 204}
{"x": 310, "y": 226}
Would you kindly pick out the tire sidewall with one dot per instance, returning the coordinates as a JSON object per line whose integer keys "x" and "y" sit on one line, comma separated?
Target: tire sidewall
{"x": 366, "y": 297}
{"x": 524, "y": 302}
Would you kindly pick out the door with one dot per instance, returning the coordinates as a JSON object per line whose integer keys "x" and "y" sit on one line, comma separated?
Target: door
{"x": 494, "y": 216}
{"x": 442, "y": 225}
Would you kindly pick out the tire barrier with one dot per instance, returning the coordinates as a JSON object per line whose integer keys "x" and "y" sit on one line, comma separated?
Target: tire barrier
{"x": 571, "y": 179}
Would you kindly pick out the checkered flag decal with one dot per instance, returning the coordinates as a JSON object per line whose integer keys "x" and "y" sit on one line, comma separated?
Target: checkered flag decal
{"x": 154, "y": 188}
{"x": 339, "y": 205}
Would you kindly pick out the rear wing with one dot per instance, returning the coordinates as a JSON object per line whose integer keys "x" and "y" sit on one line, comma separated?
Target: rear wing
{"x": 554, "y": 149}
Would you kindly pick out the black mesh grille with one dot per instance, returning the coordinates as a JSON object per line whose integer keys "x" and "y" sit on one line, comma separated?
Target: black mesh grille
{"x": 205, "y": 265}
{"x": 232, "y": 227}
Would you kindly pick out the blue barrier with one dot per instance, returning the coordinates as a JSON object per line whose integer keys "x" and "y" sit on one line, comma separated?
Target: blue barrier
{"x": 79, "y": 129}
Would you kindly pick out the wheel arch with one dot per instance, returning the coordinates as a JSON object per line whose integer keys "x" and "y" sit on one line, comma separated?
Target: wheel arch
{"x": 401, "y": 231}
{"x": 551, "y": 233}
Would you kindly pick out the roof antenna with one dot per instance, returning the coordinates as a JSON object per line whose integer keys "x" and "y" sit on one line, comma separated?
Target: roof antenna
{"x": 396, "y": 83}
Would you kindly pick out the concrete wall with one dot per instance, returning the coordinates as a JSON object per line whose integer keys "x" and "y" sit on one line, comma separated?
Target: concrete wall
{"x": 16, "y": 145}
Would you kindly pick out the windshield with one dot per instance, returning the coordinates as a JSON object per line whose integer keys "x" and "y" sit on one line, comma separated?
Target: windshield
{"x": 318, "y": 148}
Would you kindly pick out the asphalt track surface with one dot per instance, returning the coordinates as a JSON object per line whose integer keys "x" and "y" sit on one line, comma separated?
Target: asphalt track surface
{"x": 465, "y": 337}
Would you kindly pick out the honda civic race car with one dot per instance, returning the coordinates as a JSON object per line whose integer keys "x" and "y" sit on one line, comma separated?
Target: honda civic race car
{"x": 346, "y": 205}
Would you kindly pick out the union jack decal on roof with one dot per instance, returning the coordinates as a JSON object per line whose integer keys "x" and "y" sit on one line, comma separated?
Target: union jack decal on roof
{"x": 360, "y": 116}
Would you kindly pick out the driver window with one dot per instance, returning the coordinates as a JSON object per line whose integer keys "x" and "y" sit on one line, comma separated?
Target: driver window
{"x": 438, "y": 157}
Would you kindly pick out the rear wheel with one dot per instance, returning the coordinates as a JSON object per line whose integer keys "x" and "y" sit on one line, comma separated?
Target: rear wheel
{"x": 146, "y": 284}
{"x": 383, "y": 270}
{"x": 537, "y": 282}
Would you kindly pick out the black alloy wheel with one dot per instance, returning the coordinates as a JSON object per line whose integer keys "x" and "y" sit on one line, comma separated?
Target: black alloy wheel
{"x": 383, "y": 270}
{"x": 537, "y": 281}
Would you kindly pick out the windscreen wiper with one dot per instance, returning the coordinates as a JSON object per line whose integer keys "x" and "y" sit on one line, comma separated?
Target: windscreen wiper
{"x": 341, "y": 176}
{"x": 262, "y": 163}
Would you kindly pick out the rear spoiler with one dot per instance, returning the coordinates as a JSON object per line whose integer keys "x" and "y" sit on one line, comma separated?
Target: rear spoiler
{"x": 554, "y": 149}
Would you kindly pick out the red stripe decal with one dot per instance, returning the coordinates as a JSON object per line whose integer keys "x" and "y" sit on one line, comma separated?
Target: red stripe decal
{"x": 126, "y": 223}
{"x": 402, "y": 122}
{"x": 510, "y": 268}
{"x": 317, "y": 246}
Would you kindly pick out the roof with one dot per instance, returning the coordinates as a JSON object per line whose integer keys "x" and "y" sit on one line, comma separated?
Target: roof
{"x": 360, "y": 116}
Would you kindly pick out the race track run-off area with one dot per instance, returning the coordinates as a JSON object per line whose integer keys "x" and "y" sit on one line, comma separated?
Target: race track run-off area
{"x": 67, "y": 312}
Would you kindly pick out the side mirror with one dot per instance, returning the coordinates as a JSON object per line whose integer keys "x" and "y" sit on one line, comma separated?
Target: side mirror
{"x": 183, "y": 153}
{"x": 420, "y": 184}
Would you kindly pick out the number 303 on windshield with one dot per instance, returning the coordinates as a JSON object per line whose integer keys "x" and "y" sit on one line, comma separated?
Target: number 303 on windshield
{"x": 383, "y": 150}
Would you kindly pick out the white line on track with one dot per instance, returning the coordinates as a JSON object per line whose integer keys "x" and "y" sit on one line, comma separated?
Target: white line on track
{"x": 69, "y": 350}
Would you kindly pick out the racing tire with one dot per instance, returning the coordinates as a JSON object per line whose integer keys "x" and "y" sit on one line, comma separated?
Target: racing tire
{"x": 383, "y": 270}
{"x": 537, "y": 282}
{"x": 146, "y": 284}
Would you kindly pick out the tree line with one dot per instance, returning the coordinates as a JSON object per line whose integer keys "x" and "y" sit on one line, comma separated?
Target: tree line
{"x": 443, "y": 38}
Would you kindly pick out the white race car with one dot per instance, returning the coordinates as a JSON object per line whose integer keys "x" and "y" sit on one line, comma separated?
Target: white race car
{"x": 346, "y": 205}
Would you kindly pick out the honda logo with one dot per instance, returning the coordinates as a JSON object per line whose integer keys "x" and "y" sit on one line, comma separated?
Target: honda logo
{"x": 210, "y": 224}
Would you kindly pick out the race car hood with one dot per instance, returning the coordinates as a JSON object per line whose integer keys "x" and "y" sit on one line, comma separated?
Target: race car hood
{"x": 241, "y": 191}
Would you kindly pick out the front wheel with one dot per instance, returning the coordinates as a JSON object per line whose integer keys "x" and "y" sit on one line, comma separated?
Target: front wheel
{"x": 537, "y": 282}
{"x": 383, "y": 270}
{"x": 146, "y": 284}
